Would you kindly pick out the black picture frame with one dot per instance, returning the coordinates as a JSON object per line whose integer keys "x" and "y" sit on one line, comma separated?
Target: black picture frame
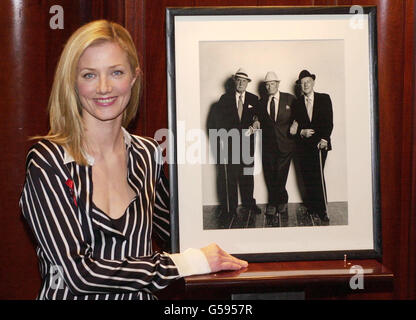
{"x": 372, "y": 248}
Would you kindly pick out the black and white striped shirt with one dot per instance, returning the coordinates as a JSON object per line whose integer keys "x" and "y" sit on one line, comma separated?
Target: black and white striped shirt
{"x": 83, "y": 253}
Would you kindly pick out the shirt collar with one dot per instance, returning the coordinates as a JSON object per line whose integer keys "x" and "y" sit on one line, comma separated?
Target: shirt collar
{"x": 90, "y": 159}
{"x": 276, "y": 96}
{"x": 311, "y": 97}
{"x": 237, "y": 94}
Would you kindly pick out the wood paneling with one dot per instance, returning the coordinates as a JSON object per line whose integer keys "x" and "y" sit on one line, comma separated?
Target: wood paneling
{"x": 407, "y": 265}
{"x": 307, "y": 276}
{"x": 285, "y": 3}
{"x": 135, "y": 24}
{"x": 30, "y": 50}
{"x": 155, "y": 62}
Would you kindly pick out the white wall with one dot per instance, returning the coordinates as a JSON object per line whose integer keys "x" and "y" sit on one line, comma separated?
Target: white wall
{"x": 218, "y": 60}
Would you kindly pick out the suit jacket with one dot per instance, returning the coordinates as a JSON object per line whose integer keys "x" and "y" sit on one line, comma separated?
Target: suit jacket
{"x": 224, "y": 115}
{"x": 227, "y": 115}
{"x": 322, "y": 120}
{"x": 276, "y": 136}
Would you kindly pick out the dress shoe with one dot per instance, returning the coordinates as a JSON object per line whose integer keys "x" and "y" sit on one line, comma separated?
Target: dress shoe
{"x": 224, "y": 220}
{"x": 282, "y": 209}
{"x": 270, "y": 210}
{"x": 255, "y": 209}
{"x": 324, "y": 217}
{"x": 316, "y": 221}
{"x": 244, "y": 210}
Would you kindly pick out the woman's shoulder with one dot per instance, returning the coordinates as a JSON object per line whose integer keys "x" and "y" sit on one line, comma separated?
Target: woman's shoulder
{"x": 45, "y": 151}
{"x": 144, "y": 142}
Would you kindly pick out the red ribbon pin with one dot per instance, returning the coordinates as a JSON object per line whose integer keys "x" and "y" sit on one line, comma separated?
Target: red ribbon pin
{"x": 70, "y": 184}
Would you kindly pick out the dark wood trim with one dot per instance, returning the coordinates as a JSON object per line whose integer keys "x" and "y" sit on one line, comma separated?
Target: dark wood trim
{"x": 408, "y": 167}
{"x": 310, "y": 277}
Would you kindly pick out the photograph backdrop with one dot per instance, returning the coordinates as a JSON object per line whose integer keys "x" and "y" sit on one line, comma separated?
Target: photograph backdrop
{"x": 219, "y": 60}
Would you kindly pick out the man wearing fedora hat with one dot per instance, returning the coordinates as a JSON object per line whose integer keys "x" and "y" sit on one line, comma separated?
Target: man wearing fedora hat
{"x": 276, "y": 116}
{"x": 233, "y": 116}
{"x": 314, "y": 118}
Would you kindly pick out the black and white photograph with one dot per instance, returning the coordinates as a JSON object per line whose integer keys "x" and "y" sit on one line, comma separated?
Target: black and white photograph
{"x": 273, "y": 117}
{"x": 291, "y": 184}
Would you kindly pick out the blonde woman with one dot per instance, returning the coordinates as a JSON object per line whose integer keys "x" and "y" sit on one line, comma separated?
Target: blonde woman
{"x": 95, "y": 194}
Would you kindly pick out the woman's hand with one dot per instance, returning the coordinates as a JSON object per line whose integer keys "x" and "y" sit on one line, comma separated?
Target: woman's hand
{"x": 219, "y": 260}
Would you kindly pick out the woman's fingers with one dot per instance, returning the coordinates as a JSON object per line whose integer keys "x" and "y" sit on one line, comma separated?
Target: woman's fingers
{"x": 219, "y": 260}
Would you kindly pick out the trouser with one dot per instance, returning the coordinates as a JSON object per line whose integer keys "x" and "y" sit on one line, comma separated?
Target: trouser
{"x": 230, "y": 178}
{"x": 276, "y": 169}
{"x": 314, "y": 184}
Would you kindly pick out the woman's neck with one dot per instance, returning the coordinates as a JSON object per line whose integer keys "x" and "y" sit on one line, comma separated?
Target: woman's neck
{"x": 104, "y": 140}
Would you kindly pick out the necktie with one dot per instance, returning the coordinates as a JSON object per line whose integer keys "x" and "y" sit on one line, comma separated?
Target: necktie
{"x": 309, "y": 107}
{"x": 272, "y": 110}
{"x": 240, "y": 106}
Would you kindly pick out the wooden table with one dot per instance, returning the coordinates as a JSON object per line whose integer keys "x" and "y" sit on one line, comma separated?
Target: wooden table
{"x": 316, "y": 279}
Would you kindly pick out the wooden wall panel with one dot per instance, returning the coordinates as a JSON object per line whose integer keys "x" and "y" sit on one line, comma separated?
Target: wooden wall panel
{"x": 134, "y": 22}
{"x": 392, "y": 107}
{"x": 285, "y": 3}
{"x": 13, "y": 124}
{"x": 412, "y": 188}
{"x": 407, "y": 265}
{"x": 155, "y": 62}
{"x": 30, "y": 50}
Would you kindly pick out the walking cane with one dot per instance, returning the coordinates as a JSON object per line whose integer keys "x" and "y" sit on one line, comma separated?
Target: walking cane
{"x": 226, "y": 187}
{"x": 322, "y": 180}
{"x": 226, "y": 179}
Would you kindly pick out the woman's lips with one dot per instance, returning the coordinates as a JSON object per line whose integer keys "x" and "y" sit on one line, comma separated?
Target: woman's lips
{"x": 105, "y": 102}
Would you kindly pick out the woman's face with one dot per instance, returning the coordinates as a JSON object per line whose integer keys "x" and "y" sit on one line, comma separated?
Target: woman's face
{"x": 104, "y": 82}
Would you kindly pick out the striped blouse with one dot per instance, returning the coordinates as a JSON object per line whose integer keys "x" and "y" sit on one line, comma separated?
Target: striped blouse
{"x": 83, "y": 253}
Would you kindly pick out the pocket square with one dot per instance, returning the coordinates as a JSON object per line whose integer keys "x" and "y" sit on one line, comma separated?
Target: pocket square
{"x": 250, "y": 106}
{"x": 287, "y": 107}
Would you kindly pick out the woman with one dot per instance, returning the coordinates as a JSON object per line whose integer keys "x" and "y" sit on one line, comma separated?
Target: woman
{"x": 93, "y": 193}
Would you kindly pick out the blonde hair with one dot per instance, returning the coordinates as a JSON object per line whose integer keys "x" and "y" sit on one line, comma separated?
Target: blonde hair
{"x": 65, "y": 110}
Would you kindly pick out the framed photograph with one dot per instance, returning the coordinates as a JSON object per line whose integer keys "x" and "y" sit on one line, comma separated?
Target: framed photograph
{"x": 272, "y": 142}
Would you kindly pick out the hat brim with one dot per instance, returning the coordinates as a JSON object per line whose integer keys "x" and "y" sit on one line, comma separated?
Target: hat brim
{"x": 240, "y": 76}
{"x": 265, "y": 81}
{"x": 310, "y": 76}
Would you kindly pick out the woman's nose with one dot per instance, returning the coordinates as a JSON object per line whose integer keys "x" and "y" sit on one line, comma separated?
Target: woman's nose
{"x": 104, "y": 86}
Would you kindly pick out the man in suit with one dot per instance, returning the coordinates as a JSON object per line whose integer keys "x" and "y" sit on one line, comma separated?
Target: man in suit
{"x": 275, "y": 113}
{"x": 231, "y": 119}
{"x": 314, "y": 121}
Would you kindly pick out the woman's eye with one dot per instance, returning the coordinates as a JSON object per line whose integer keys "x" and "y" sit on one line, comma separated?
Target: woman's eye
{"x": 117, "y": 73}
{"x": 88, "y": 76}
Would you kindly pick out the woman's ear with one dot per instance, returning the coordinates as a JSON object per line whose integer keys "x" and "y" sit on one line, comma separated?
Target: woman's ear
{"x": 135, "y": 76}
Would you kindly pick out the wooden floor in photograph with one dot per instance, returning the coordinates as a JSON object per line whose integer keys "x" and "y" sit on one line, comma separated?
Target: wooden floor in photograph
{"x": 297, "y": 216}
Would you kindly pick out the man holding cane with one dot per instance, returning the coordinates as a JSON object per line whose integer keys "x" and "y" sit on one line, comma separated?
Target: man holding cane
{"x": 234, "y": 120}
{"x": 313, "y": 128}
